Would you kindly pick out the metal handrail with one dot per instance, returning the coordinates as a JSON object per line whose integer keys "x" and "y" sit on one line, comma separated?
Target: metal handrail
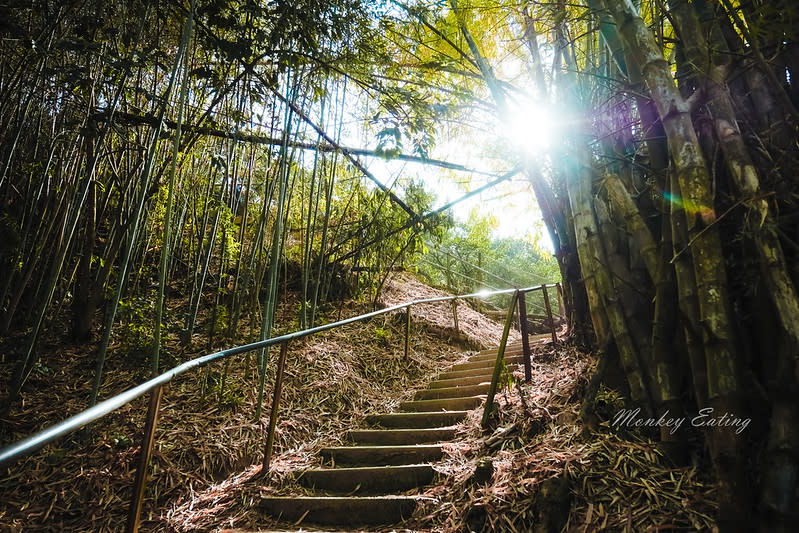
{"x": 154, "y": 386}
{"x": 79, "y": 420}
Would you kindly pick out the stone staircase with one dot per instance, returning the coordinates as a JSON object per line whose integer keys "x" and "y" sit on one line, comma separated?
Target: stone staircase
{"x": 375, "y": 480}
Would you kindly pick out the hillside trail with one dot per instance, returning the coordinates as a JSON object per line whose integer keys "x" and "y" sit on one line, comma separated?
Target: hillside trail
{"x": 387, "y": 465}
{"x": 426, "y": 465}
{"x": 377, "y": 479}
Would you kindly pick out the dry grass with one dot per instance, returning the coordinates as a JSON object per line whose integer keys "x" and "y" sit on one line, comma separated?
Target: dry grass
{"x": 206, "y": 474}
{"x": 478, "y": 329}
{"x": 207, "y": 441}
{"x": 608, "y": 484}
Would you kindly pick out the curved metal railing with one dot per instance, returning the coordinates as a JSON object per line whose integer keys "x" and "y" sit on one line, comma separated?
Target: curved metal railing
{"x": 155, "y": 385}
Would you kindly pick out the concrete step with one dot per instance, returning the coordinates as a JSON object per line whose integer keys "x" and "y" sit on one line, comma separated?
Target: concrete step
{"x": 488, "y": 363}
{"x": 391, "y": 460}
{"x": 489, "y": 357}
{"x": 384, "y": 437}
{"x": 516, "y": 346}
{"x": 458, "y": 382}
{"x": 327, "y": 510}
{"x": 441, "y": 404}
{"x": 510, "y": 349}
{"x": 368, "y": 480}
{"x": 452, "y": 392}
{"x": 492, "y": 355}
{"x": 416, "y": 420}
{"x": 474, "y": 372}
{"x": 382, "y": 455}
{"x": 481, "y": 371}
{"x": 512, "y": 346}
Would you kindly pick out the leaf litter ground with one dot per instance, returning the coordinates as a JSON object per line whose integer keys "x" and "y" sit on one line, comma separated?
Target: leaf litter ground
{"x": 207, "y": 474}
{"x": 206, "y": 430}
{"x": 538, "y": 462}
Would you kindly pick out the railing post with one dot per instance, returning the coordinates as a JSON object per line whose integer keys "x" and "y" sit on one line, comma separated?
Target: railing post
{"x": 528, "y": 372}
{"x": 549, "y": 314}
{"x": 134, "y": 511}
{"x": 261, "y": 363}
{"x": 270, "y": 434}
{"x": 492, "y": 390}
{"x": 407, "y": 331}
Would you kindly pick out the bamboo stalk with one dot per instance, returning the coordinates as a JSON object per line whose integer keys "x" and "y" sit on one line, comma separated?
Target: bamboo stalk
{"x": 723, "y": 372}
{"x": 138, "y": 207}
{"x": 166, "y": 235}
{"x": 278, "y": 234}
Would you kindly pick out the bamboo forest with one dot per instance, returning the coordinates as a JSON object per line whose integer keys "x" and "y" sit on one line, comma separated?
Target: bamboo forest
{"x": 399, "y": 265}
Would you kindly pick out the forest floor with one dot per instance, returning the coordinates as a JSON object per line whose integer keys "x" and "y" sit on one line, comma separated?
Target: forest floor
{"x": 207, "y": 457}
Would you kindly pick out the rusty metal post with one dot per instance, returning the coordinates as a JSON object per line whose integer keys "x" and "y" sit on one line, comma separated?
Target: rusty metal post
{"x": 528, "y": 372}
{"x": 455, "y": 316}
{"x": 549, "y": 313}
{"x": 407, "y": 331}
{"x": 134, "y": 511}
{"x": 270, "y": 434}
{"x": 492, "y": 389}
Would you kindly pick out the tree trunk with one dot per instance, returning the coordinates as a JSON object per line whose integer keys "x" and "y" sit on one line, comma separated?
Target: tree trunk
{"x": 723, "y": 382}
{"x": 781, "y": 476}
{"x": 664, "y": 375}
{"x": 82, "y": 310}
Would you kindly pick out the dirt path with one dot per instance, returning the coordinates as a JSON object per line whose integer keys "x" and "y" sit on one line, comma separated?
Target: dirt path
{"x": 480, "y": 330}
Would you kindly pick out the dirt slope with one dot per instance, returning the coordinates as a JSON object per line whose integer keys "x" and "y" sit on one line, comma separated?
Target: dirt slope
{"x": 480, "y": 330}
{"x": 207, "y": 430}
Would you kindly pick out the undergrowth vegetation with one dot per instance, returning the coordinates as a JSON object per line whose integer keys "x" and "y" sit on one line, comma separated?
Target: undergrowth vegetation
{"x": 540, "y": 470}
{"x": 207, "y": 429}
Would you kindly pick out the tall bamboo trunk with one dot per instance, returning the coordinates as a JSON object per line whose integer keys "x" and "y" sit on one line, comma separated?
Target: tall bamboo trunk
{"x": 782, "y": 474}
{"x": 578, "y": 170}
{"x": 665, "y": 374}
{"x": 602, "y": 295}
{"x": 82, "y": 312}
{"x": 723, "y": 373}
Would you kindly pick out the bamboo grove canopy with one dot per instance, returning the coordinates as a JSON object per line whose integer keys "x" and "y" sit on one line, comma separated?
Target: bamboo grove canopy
{"x": 197, "y": 148}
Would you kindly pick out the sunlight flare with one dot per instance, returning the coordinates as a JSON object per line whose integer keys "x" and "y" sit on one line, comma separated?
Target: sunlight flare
{"x": 531, "y": 127}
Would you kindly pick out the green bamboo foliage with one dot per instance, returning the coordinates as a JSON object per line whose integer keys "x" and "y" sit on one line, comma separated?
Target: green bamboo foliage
{"x": 166, "y": 235}
{"x": 92, "y": 211}
{"x": 673, "y": 202}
